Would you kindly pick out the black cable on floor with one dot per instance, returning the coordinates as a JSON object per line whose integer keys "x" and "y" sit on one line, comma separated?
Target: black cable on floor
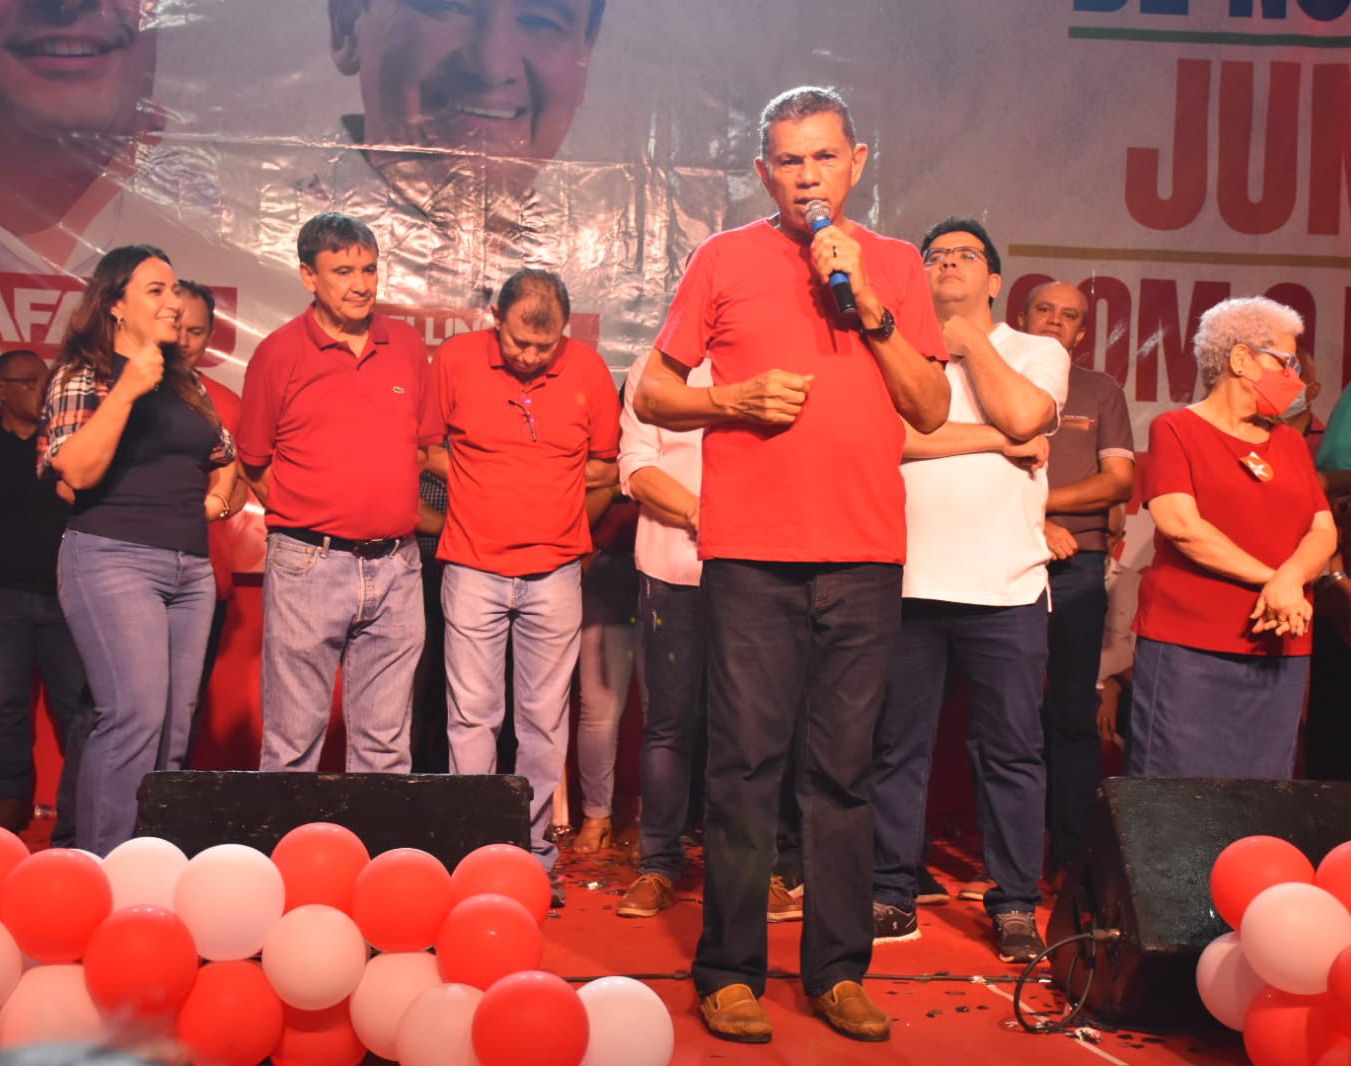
{"x": 1064, "y": 1022}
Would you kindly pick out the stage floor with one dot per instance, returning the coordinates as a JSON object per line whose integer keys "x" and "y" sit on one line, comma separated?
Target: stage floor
{"x": 949, "y": 997}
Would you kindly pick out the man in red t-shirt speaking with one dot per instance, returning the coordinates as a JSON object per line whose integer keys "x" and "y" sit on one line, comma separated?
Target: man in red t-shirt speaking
{"x": 526, "y": 422}
{"x": 802, "y": 533}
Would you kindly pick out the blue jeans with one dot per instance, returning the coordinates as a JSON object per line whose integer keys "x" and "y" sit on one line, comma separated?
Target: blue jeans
{"x": 33, "y": 633}
{"x": 140, "y": 617}
{"x": 675, "y": 653}
{"x": 1201, "y": 713}
{"x": 605, "y": 666}
{"x": 1069, "y": 713}
{"x": 541, "y": 614}
{"x": 323, "y": 608}
{"x": 1001, "y": 652}
{"x": 797, "y": 658}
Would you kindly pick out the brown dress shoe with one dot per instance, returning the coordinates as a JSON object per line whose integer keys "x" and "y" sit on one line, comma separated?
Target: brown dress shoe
{"x": 733, "y": 1013}
{"x": 849, "y": 1011}
{"x": 650, "y": 894}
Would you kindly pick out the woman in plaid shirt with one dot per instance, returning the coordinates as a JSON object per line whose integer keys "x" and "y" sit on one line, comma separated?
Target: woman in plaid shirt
{"x": 129, "y": 433}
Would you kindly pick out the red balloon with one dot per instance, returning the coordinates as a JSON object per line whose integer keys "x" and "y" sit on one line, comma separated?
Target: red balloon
{"x": 531, "y": 1017}
{"x": 53, "y": 902}
{"x": 231, "y": 1017}
{"x": 401, "y": 899}
{"x": 1281, "y": 1029}
{"x": 12, "y": 852}
{"x": 1252, "y": 865}
{"x": 318, "y": 1038}
{"x": 140, "y": 963}
{"x": 1337, "y": 1055}
{"x": 1339, "y": 987}
{"x": 1276, "y": 1029}
{"x": 503, "y": 870}
{"x": 485, "y": 938}
{"x": 1334, "y": 873}
{"x": 1328, "y": 1026}
{"x": 319, "y": 863}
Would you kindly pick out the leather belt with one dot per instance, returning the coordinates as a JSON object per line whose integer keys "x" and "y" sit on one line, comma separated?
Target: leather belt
{"x": 362, "y": 549}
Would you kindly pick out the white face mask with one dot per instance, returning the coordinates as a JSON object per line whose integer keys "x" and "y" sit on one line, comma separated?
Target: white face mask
{"x": 1299, "y": 405}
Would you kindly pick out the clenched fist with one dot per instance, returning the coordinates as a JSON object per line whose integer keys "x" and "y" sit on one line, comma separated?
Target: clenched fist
{"x": 774, "y": 397}
{"x": 142, "y": 373}
{"x": 960, "y": 335}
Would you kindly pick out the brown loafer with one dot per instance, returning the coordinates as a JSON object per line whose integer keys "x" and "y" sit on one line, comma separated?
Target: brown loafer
{"x": 649, "y": 895}
{"x": 733, "y": 1013}
{"x": 849, "y": 1011}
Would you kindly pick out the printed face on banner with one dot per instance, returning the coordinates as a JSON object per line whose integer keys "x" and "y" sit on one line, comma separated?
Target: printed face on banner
{"x": 343, "y": 284}
{"x": 810, "y": 159}
{"x": 501, "y": 77}
{"x": 1056, "y": 310}
{"x": 76, "y": 67}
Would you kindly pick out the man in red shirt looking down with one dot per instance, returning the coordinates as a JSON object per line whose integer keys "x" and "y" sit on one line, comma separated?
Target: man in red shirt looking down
{"x": 328, "y": 439}
{"x": 526, "y": 423}
{"x": 802, "y": 533}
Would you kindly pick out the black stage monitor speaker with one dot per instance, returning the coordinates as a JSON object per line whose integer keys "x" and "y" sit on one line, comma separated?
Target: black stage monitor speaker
{"x": 448, "y": 815}
{"x": 1146, "y": 872}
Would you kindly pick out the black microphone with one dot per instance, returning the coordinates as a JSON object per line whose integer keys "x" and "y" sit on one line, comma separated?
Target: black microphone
{"x": 817, "y": 214}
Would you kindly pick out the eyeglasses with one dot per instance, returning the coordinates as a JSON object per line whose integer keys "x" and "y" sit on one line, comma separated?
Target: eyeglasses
{"x": 524, "y": 405}
{"x": 964, "y": 253}
{"x": 1290, "y": 362}
{"x": 27, "y": 383}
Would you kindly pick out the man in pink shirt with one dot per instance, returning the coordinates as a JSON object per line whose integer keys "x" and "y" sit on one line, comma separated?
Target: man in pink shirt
{"x": 662, "y": 469}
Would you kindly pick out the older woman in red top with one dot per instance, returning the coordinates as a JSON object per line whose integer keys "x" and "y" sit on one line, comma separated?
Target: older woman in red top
{"x": 1243, "y": 528}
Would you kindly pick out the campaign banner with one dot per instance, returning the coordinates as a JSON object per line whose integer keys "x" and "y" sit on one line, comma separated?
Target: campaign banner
{"x": 1159, "y": 154}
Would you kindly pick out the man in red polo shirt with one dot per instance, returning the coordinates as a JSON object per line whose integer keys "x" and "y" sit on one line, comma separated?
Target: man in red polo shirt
{"x": 802, "y": 533}
{"x": 532, "y": 422}
{"x": 329, "y": 442}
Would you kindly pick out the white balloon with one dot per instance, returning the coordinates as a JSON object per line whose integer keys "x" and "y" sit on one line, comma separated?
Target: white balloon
{"x": 1291, "y": 933}
{"x": 387, "y": 988}
{"x": 436, "y": 1028}
{"x": 1227, "y": 982}
{"x": 230, "y": 896}
{"x": 314, "y": 957}
{"x": 11, "y": 964}
{"x": 630, "y": 1025}
{"x": 50, "y": 1004}
{"x": 144, "y": 871}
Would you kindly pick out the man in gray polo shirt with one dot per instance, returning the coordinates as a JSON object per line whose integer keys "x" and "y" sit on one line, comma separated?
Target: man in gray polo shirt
{"x": 1092, "y": 468}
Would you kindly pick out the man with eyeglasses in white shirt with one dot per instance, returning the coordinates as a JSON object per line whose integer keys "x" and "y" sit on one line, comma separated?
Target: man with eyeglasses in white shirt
{"x": 975, "y": 596}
